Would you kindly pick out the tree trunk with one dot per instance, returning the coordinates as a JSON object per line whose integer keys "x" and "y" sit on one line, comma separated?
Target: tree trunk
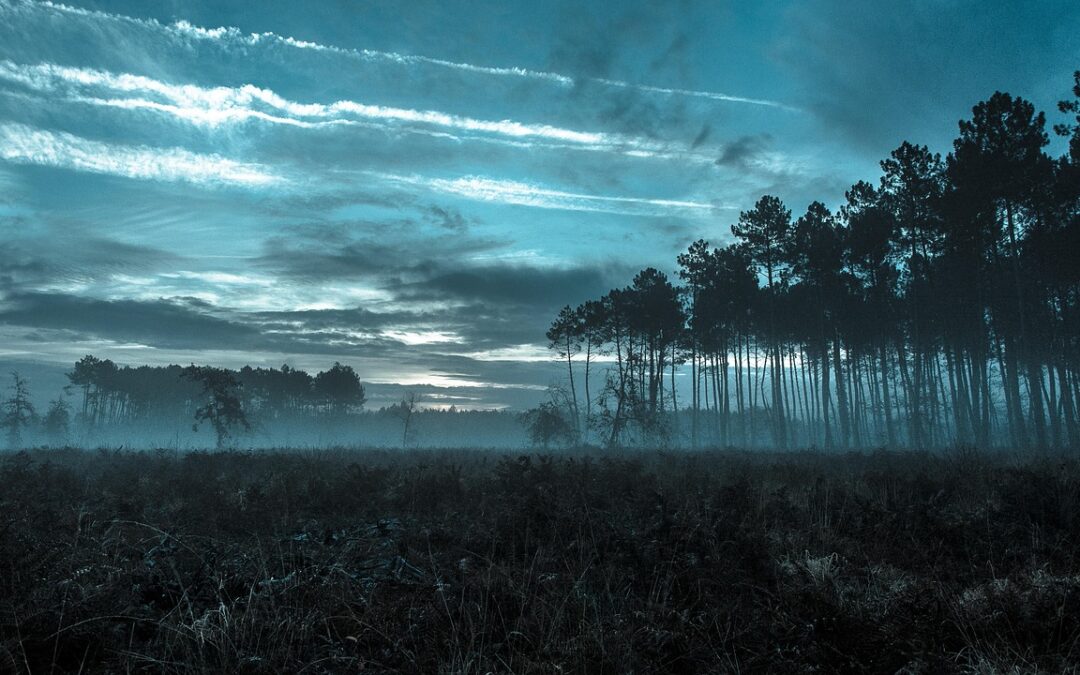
{"x": 573, "y": 389}
{"x": 841, "y": 396}
{"x": 825, "y": 394}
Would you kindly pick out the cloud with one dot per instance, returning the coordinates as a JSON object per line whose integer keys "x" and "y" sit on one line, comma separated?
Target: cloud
{"x": 215, "y": 107}
{"x": 447, "y": 218}
{"x": 483, "y": 189}
{"x": 445, "y": 319}
{"x": 713, "y": 96}
{"x": 163, "y": 323}
{"x": 181, "y": 323}
{"x": 444, "y": 287}
{"x": 24, "y": 144}
{"x": 363, "y": 251}
{"x": 423, "y": 346}
{"x": 522, "y": 286}
{"x": 396, "y": 241}
{"x": 30, "y": 259}
{"x": 236, "y": 36}
{"x": 751, "y": 163}
{"x": 353, "y": 318}
{"x": 745, "y": 152}
{"x": 232, "y": 36}
{"x": 27, "y": 145}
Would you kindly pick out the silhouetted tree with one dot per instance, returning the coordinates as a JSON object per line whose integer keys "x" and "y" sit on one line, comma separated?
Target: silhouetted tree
{"x": 999, "y": 160}
{"x": 1072, "y": 129}
{"x": 405, "y": 411}
{"x": 57, "y": 422}
{"x": 764, "y": 231}
{"x": 546, "y": 425}
{"x": 592, "y": 322}
{"x": 18, "y": 410}
{"x": 222, "y": 407}
{"x": 339, "y": 389}
{"x": 869, "y": 248}
{"x": 564, "y": 336}
{"x": 941, "y": 305}
{"x": 815, "y": 253}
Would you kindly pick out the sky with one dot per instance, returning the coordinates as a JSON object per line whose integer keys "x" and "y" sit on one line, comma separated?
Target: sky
{"x": 415, "y": 188}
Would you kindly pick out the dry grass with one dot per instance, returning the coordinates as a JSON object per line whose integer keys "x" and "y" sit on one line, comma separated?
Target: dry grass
{"x": 476, "y": 562}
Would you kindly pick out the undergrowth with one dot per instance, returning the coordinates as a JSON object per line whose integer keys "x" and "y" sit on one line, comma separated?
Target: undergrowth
{"x": 476, "y": 562}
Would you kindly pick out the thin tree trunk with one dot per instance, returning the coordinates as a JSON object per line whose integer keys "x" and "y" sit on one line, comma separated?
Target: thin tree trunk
{"x": 825, "y": 394}
{"x": 841, "y": 396}
{"x": 1067, "y": 407}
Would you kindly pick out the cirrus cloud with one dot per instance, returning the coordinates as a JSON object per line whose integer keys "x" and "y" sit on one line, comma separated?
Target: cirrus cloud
{"x": 23, "y": 144}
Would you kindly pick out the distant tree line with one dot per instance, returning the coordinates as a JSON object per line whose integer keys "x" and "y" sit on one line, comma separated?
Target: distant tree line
{"x": 112, "y": 394}
{"x": 940, "y": 304}
{"x": 195, "y": 406}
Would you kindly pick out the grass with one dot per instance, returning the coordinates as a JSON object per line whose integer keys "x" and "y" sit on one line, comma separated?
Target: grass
{"x": 476, "y": 562}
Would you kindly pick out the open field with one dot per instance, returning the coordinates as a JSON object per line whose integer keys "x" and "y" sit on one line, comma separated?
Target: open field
{"x": 475, "y": 562}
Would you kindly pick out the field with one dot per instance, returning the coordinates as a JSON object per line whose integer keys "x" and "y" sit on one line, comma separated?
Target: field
{"x": 475, "y": 562}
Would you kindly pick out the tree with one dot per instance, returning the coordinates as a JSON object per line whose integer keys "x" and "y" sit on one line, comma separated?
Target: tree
{"x": 564, "y": 336}
{"x": 57, "y": 421}
{"x": 18, "y": 410}
{"x": 405, "y": 411}
{"x": 868, "y": 251}
{"x": 694, "y": 271}
{"x": 339, "y": 389}
{"x": 815, "y": 254}
{"x": 1072, "y": 129}
{"x": 546, "y": 424}
{"x": 911, "y": 188}
{"x": 97, "y": 378}
{"x": 617, "y": 331}
{"x": 912, "y": 183}
{"x": 656, "y": 316}
{"x": 998, "y": 162}
{"x": 764, "y": 231}
{"x": 729, "y": 298}
{"x": 592, "y": 320}
{"x": 222, "y": 409}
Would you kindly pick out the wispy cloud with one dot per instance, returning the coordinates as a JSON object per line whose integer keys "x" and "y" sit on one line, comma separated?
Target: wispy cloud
{"x": 234, "y": 36}
{"x": 711, "y": 95}
{"x": 483, "y": 189}
{"x": 26, "y": 145}
{"x": 217, "y": 106}
{"x": 414, "y": 337}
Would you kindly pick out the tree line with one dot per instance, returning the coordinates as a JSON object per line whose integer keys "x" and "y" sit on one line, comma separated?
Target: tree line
{"x": 112, "y": 394}
{"x": 107, "y": 404}
{"x": 108, "y": 396}
{"x": 939, "y": 304}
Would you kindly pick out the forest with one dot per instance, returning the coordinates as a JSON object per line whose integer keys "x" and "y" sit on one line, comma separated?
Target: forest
{"x": 940, "y": 304}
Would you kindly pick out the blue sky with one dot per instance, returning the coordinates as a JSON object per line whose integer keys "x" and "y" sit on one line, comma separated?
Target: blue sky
{"x": 415, "y": 188}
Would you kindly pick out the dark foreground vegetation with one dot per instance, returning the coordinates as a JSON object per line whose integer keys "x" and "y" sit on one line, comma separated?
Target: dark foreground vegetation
{"x": 475, "y": 562}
